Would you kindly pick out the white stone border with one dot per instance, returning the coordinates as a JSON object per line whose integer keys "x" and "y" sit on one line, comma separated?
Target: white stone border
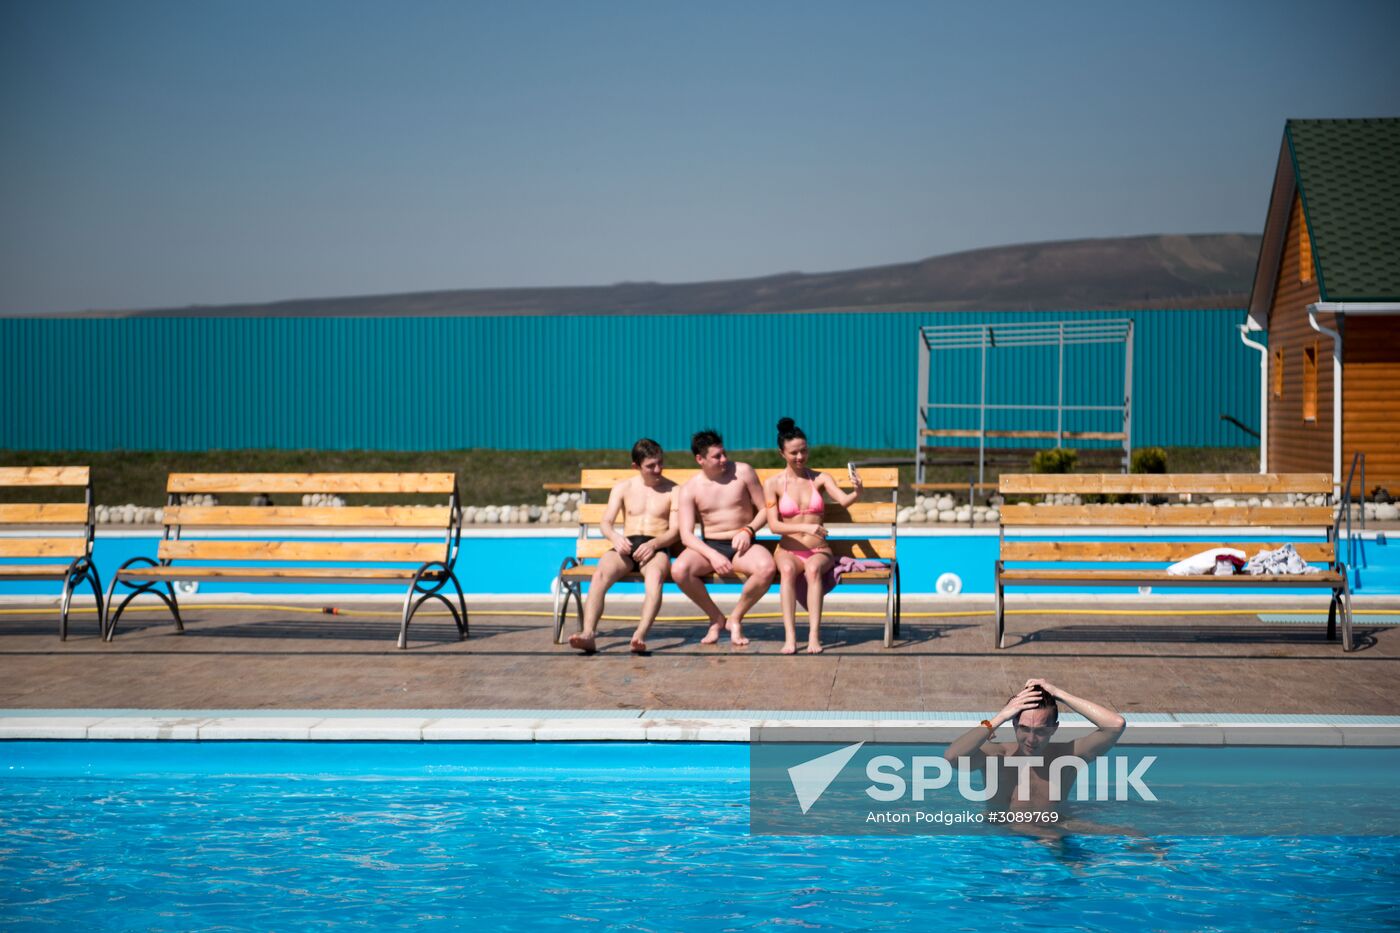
{"x": 648, "y": 726}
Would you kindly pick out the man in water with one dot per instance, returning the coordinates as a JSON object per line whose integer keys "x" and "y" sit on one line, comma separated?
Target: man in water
{"x": 1035, "y": 713}
{"x": 727, "y": 500}
{"x": 647, "y": 502}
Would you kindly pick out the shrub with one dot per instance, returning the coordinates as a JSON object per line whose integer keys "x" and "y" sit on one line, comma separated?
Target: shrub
{"x": 1149, "y": 460}
{"x": 1055, "y": 460}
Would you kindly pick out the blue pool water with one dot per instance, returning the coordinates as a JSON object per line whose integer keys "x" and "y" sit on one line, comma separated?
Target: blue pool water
{"x": 515, "y": 565}
{"x": 177, "y": 836}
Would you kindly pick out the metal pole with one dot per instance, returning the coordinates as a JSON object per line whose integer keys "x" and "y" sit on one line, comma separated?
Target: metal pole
{"x": 982, "y": 412}
{"x": 921, "y": 411}
{"x": 1128, "y": 400}
{"x": 1060, "y": 398}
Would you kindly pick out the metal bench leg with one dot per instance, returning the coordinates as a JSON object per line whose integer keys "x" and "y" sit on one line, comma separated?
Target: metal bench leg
{"x": 1000, "y": 635}
{"x": 463, "y": 624}
{"x": 889, "y": 613}
{"x": 1332, "y": 615}
{"x": 109, "y": 625}
{"x": 81, "y": 570}
{"x": 562, "y": 589}
{"x": 898, "y": 596}
{"x": 1347, "y": 644}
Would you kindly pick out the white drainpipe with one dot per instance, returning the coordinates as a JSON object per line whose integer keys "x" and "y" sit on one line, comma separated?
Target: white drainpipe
{"x": 1336, "y": 394}
{"x": 1263, "y": 396}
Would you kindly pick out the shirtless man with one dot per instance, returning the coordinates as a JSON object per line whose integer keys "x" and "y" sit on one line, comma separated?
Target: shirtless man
{"x": 647, "y": 501}
{"x": 1036, "y": 715}
{"x": 728, "y": 502}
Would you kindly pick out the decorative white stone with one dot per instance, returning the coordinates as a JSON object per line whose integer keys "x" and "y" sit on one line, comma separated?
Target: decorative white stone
{"x": 945, "y": 503}
{"x": 964, "y": 514}
{"x": 1387, "y": 513}
{"x": 1253, "y": 502}
{"x": 551, "y": 499}
{"x": 918, "y": 517}
{"x": 1267, "y": 502}
{"x": 1226, "y": 503}
{"x": 947, "y": 515}
{"x": 903, "y": 515}
{"x": 993, "y": 515}
{"x": 535, "y": 512}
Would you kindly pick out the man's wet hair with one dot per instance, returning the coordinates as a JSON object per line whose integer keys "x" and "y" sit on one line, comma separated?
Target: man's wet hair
{"x": 788, "y": 430}
{"x": 644, "y": 449}
{"x": 1046, "y": 702}
{"x": 703, "y": 440}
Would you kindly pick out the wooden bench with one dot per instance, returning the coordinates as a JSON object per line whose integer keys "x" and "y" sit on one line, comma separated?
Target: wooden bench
{"x": 64, "y": 530}
{"x": 578, "y": 570}
{"x": 1168, "y": 522}
{"x": 424, "y": 565}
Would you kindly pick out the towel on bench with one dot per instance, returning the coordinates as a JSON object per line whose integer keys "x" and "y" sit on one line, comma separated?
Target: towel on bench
{"x": 1284, "y": 560}
{"x": 833, "y": 575}
{"x": 1203, "y": 564}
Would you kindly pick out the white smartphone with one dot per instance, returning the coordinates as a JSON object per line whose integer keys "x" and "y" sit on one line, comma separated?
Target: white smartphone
{"x": 851, "y": 472}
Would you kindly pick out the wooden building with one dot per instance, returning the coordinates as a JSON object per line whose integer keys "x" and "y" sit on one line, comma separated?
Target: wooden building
{"x": 1327, "y": 293}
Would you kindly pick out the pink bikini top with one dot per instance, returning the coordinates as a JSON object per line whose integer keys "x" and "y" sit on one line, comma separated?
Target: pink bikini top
{"x": 787, "y": 508}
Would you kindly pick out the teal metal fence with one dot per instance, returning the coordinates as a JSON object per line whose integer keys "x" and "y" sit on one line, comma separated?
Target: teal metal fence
{"x": 561, "y": 382}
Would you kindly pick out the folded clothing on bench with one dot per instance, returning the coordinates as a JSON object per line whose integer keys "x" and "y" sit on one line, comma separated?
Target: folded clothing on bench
{"x": 1225, "y": 561}
{"x": 833, "y": 574}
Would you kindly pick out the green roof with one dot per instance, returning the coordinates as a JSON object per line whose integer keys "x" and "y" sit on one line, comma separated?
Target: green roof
{"x": 1348, "y": 174}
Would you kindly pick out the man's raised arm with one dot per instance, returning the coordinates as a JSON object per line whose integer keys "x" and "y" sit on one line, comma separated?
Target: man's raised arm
{"x": 970, "y": 744}
{"x": 1110, "y": 724}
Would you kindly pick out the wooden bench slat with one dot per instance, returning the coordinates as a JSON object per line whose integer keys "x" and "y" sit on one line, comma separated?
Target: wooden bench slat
{"x": 1145, "y": 551}
{"x": 43, "y": 547}
{"x": 859, "y": 548}
{"x": 270, "y": 573}
{"x": 949, "y": 487}
{"x": 1166, "y": 483}
{"x": 859, "y": 513}
{"x": 312, "y": 482}
{"x": 1161, "y": 576}
{"x": 65, "y": 513}
{"x": 32, "y": 571}
{"x": 1025, "y": 515}
{"x": 364, "y": 516}
{"x": 402, "y": 552}
{"x": 872, "y": 477}
{"x": 45, "y": 476}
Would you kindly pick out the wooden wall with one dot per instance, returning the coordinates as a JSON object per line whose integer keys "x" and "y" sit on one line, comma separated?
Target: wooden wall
{"x": 1371, "y": 398}
{"x": 1295, "y": 445}
{"x": 1371, "y": 380}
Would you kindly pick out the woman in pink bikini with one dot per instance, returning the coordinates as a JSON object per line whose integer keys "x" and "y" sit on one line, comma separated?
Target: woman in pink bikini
{"x": 795, "y": 507}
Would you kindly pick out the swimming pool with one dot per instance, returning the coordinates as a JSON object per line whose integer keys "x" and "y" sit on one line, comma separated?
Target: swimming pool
{"x": 525, "y": 562}
{"x": 179, "y": 835}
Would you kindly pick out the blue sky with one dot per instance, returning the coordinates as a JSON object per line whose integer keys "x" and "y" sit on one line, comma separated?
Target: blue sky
{"x": 171, "y": 153}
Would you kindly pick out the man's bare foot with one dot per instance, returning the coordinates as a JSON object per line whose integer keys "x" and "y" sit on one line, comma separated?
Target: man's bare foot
{"x": 639, "y": 646}
{"x": 789, "y": 647}
{"x": 736, "y": 634}
{"x": 584, "y": 643}
{"x": 712, "y": 636}
{"x": 814, "y": 647}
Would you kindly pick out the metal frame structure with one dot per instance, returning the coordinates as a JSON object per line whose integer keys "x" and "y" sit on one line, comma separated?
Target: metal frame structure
{"x": 988, "y": 336}
{"x": 427, "y": 582}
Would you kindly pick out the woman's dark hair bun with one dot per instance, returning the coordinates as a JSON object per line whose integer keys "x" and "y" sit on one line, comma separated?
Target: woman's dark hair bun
{"x": 787, "y": 430}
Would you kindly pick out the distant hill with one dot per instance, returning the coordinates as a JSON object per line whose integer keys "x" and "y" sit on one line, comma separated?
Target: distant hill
{"x": 1196, "y": 271}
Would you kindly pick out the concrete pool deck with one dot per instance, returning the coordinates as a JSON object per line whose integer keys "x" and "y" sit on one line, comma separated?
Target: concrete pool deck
{"x": 1219, "y": 659}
